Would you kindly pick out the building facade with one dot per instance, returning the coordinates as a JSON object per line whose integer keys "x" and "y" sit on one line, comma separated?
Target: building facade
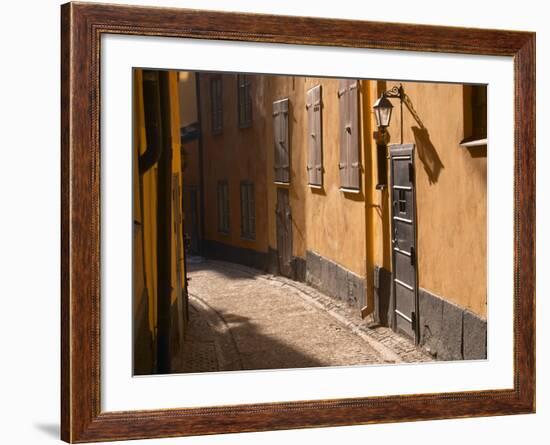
{"x": 296, "y": 178}
{"x": 159, "y": 285}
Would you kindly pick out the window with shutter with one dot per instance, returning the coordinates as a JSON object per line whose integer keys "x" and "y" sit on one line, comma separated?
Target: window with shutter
{"x": 244, "y": 101}
{"x": 248, "y": 217}
{"x": 315, "y": 137}
{"x": 216, "y": 103}
{"x": 223, "y": 207}
{"x": 349, "y": 164}
{"x": 475, "y": 116}
{"x": 280, "y": 139}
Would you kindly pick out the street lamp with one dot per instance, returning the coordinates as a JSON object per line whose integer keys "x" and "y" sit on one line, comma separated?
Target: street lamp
{"x": 383, "y": 109}
{"x": 382, "y": 112}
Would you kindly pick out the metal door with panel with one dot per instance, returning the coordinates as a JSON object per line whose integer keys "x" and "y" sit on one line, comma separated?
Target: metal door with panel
{"x": 284, "y": 232}
{"x": 404, "y": 253}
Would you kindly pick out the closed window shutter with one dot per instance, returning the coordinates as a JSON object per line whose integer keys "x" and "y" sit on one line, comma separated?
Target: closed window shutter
{"x": 248, "y": 223}
{"x": 251, "y": 211}
{"x": 245, "y": 101}
{"x": 248, "y": 102}
{"x": 219, "y": 105}
{"x": 353, "y": 156}
{"x": 240, "y": 86}
{"x": 223, "y": 206}
{"x": 349, "y": 134}
{"x": 343, "y": 165}
{"x": 280, "y": 139}
{"x": 315, "y": 137}
{"x": 219, "y": 207}
{"x": 243, "y": 209}
{"x": 216, "y": 105}
{"x": 226, "y": 205}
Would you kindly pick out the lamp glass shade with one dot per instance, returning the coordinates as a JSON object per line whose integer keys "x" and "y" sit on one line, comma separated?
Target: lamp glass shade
{"x": 382, "y": 111}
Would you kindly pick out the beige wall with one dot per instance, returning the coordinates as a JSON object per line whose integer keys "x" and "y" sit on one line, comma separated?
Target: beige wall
{"x": 450, "y": 192}
{"x": 321, "y": 216}
{"x": 235, "y": 155}
{"x": 187, "y": 97}
{"x": 354, "y": 229}
{"x": 145, "y": 243}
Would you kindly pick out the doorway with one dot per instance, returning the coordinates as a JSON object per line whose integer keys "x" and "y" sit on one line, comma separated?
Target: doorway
{"x": 404, "y": 252}
{"x": 284, "y": 232}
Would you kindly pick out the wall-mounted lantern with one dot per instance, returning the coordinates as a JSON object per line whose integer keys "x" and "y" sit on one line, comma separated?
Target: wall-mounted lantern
{"x": 382, "y": 112}
{"x": 383, "y": 107}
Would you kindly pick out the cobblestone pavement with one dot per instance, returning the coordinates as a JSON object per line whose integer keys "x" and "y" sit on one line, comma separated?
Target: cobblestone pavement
{"x": 242, "y": 318}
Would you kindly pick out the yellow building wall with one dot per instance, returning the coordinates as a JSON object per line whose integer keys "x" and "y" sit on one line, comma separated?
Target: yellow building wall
{"x": 353, "y": 230}
{"x": 235, "y": 155}
{"x": 451, "y": 196}
{"x": 319, "y": 216}
{"x": 187, "y": 97}
{"x": 179, "y": 318}
{"x": 145, "y": 237}
{"x": 144, "y": 268}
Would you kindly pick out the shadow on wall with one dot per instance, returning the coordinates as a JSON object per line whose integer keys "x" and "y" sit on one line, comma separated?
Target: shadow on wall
{"x": 427, "y": 154}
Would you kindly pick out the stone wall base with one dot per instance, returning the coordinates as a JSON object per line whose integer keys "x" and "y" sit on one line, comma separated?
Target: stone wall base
{"x": 334, "y": 280}
{"x": 447, "y": 331}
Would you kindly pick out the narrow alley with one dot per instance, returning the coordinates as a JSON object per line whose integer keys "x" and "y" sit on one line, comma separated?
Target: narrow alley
{"x": 242, "y": 319}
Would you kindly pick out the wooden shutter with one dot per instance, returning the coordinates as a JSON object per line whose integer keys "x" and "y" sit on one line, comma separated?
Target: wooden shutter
{"x": 280, "y": 139}
{"x": 315, "y": 137}
{"x": 349, "y": 134}
{"x": 220, "y": 208}
{"x": 251, "y": 211}
{"x": 226, "y": 206}
{"x": 248, "y": 222}
{"x": 216, "y": 111}
{"x": 245, "y": 101}
{"x": 223, "y": 207}
{"x": 243, "y": 209}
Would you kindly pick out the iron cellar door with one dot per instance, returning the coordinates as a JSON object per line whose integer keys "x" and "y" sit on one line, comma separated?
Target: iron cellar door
{"x": 404, "y": 253}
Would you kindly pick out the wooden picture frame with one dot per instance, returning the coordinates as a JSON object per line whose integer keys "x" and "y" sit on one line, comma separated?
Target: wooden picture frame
{"x": 82, "y": 26}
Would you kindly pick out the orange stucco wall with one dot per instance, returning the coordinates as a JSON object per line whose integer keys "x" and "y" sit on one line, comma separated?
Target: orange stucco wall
{"x": 451, "y": 195}
{"x": 320, "y": 216}
{"x": 235, "y": 155}
{"x": 145, "y": 272}
{"x": 353, "y": 229}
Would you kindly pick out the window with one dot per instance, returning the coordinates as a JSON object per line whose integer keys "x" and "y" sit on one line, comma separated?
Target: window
{"x": 479, "y": 111}
{"x": 216, "y": 104}
{"x": 315, "y": 137}
{"x": 248, "y": 216}
{"x": 402, "y": 202}
{"x": 223, "y": 207}
{"x": 245, "y": 101}
{"x": 349, "y": 135}
{"x": 475, "y": 116}
{"x": 280, "y": 139}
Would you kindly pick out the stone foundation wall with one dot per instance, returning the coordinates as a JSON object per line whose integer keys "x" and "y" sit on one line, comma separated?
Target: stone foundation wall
{"x": 447, "y": 331}
{"x": 334, "y": 280}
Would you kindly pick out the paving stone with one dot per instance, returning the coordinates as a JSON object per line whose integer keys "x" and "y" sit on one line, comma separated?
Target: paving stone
{"x": 246, "y": 319}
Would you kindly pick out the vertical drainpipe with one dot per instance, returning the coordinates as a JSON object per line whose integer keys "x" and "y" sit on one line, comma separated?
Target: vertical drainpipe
{"x": 366, "y": 95}
{"x": 201, "y": 161}
{"x": 164, "y": 230}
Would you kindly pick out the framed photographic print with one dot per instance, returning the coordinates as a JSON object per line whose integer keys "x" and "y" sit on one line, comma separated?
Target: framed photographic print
{"x": 275, "y": 222}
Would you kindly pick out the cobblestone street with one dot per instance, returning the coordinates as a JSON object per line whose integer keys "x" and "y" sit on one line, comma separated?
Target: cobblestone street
{"x": 242, "y": 319}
